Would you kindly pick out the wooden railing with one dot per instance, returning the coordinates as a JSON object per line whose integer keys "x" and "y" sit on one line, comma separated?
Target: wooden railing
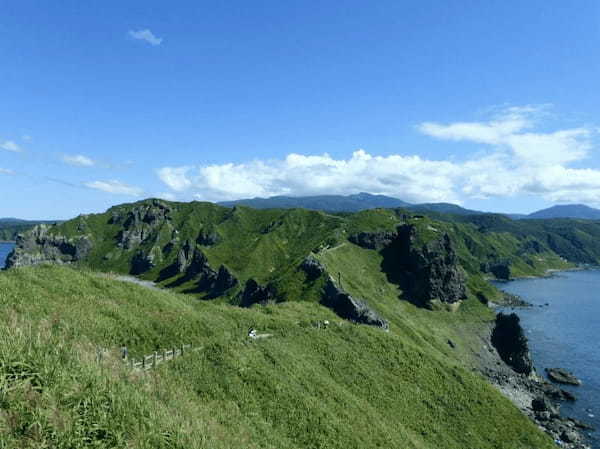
{"x": 157, "y": 357}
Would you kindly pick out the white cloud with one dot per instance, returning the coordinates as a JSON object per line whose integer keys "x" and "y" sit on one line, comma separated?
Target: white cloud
{"x": 145, "y": 35}
{"x": 520, "y": 161}
{"x": 509, "y": 131}
{"x": 115, "y": 187}
{"x": 78, "y": 160}
{"x": 9, "y": 145}
{"x": 6, "y": 171}
{"x": 175, "y": 178}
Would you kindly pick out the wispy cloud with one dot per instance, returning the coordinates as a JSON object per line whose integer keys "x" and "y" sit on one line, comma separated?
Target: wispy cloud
{"x": 115, "y": 187}
{"x": 147, "y": 36}
{"x": 6, "y": 171}
{"x": 9, "y": 145}
{"x": 78, "y": 160}
{"x": 521, "y": 160}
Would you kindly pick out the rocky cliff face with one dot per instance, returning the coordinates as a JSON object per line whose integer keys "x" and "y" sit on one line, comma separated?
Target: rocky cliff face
{"x": 426, "y": 272}
{"x": 193, "y": 264}
{"x": 140, "y": 224}
{"x": 39, "y": 246}
{"x": 511, "y": 343}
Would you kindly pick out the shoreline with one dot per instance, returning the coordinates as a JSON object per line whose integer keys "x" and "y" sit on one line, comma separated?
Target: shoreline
{"x": 521, "y": 390}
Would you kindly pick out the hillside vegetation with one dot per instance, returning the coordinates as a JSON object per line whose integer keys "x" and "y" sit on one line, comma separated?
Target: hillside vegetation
{"x": 407, "y": 379}
{"x": 347, "y": 386}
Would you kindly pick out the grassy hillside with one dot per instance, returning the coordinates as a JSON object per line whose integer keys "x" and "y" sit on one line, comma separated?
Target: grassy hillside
{"x": 348, "y": 386}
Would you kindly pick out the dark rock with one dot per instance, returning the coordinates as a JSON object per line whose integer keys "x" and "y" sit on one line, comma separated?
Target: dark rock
{"x": 373, "y": 240}
{"x": 254, "y": 293}
{"x": 208, "y": 237}
{"x": 141, "y": 263}
{"x": 312, "y": 267}
{"x": 543, "y": 404}
{"x": 581, "y": 425}
{"x": 426, "y": 272}
{"x": 501, "y": 270}
{"x": 508, "y": 299}
{"x": 193, "y": 264}
{"x": 225, "y": 281}
{"x": 562, "y": 376}
{"x": 509, "y": 340}
{"x": 570, "y": 436}
{"x": 451, "y": 344}
{"x": 556, "y": 393}
{"x": 350, "y": 308}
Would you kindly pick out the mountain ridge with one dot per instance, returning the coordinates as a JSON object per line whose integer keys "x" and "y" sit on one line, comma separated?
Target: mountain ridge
{"x": 364, "y": 201}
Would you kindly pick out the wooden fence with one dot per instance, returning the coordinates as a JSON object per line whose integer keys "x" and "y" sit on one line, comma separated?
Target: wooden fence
{"x": 152, "y": 360}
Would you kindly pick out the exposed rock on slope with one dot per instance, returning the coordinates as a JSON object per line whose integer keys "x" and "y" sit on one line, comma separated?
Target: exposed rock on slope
{"x": 193, "y": 264}
{"x": 509, "y": 340}
{"x": 140, "y": 223}
{"x": 350, "y": 308}
{"x": 38, "y": 246}
{"x": 313, "y": 268}
{"x": 426, "y": 271}
{"x": 254, "y": 293}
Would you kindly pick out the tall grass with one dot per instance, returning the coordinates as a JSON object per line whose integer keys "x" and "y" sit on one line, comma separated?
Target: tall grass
{"x": 347, "y": 386}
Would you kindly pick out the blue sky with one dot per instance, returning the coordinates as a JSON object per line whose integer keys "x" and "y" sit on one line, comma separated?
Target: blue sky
{"x": 493, "y": 105}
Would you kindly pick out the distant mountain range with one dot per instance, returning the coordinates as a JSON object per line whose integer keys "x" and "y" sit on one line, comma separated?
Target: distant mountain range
{"x": 363, "y": 201}
{"x": 568, "y": 211}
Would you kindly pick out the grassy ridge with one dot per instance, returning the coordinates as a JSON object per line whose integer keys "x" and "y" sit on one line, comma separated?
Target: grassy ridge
{"x": 348, "y": 386}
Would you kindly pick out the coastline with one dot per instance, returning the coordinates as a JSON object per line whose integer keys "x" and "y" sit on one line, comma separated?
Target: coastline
{"x": 523, "y": 390}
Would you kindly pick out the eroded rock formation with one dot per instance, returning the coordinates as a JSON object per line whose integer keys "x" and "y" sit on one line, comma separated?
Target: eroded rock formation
{"x": 511, "y": 343}
{"x": 41, "y": 246}
{"x": 349, "y": 307}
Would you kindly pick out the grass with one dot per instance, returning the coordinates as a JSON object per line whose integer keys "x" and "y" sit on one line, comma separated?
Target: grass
{"x": 348, "y": 386}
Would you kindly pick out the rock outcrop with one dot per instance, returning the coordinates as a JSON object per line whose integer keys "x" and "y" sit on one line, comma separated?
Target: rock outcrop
{"x": 254, "y": 293}
{"x": 426, "y": 272}
{"x": 193, "y": 263}
{"x": 40, "y": 245}
{"x": 350, "y": 308}
{"x": 373, "y": 240}
{"x": 313, "y": 268}
{"x": 562, "y": 376}
{"x": 511, "y": 343}
{"x": 140, "y": 223}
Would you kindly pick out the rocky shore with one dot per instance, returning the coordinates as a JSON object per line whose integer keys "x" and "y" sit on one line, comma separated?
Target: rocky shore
{"x": 506, "y": 362}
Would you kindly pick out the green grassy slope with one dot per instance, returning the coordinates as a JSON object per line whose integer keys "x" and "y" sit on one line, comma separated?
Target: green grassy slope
{"x": 348, "y": 386}
{"x": 268, "y": 245}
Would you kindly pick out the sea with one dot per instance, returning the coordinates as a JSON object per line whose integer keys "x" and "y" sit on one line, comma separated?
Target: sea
{"x": 5, "y": 249}
{"x": 563, "y": 329}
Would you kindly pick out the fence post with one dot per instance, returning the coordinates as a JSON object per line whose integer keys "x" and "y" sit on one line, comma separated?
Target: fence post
{"x": 182, "y": 346}
{"x": 154, "y": 359}
{"x": 164, "y": 355}
{"x": 143, "y": 362}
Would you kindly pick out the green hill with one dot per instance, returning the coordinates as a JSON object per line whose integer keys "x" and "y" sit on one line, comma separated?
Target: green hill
{"x": 347, "y": 386}
{"x": 409, "y": 379}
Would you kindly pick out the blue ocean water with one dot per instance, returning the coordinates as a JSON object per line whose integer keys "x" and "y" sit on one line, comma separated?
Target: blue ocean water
{"x": 566, "y": 333}
{"x": 5, "y": 249}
